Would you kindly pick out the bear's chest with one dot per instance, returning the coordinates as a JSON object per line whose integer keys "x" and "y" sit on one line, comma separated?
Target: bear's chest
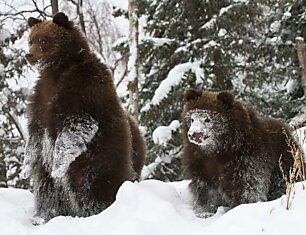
{"x": 47, "y": 151}
{"x": 46, "y": 99}
{"x": 213, "y": 166}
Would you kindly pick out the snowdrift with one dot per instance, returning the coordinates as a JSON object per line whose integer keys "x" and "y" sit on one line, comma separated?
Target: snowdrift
{"x": 155, "y": 208}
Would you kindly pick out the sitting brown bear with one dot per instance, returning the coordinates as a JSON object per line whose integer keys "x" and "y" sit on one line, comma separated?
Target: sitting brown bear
{"x": 230, "y": 153}
{"x": 82, "y": 145}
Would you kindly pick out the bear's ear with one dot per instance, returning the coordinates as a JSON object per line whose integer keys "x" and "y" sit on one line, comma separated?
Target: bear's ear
{"x": 32, "y": 21}
{"x": 227, "y": 98}
{"x": 192, "y": 94}
{"x": 62, "y": 20}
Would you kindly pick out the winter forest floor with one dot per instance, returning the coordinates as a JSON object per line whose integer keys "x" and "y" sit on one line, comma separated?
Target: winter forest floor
{"x": 155, "y": 208}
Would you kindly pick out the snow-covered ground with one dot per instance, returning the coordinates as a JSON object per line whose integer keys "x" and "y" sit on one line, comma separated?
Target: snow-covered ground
{"x": 155, "y": 208}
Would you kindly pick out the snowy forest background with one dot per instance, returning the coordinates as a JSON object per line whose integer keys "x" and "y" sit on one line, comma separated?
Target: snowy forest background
{"x": 247, "y": 46}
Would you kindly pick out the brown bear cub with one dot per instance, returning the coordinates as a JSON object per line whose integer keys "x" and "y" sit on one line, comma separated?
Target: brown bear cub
{"x": 231, "y": 153}
{"x": 82, "y": 145}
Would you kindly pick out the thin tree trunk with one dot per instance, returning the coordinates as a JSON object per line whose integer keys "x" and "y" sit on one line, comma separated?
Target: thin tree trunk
{"x": 54, "y": 6}
{"x": 222, "y": 82}
{"x": 3, "y": 179}
{"x": 79, "y": 8}
{"x": 133, "y": 64}
{"x": 301, "y": 52}
{"x": 81, "y": 15}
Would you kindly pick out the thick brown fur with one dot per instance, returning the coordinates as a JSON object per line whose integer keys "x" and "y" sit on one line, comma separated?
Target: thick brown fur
{"x": 73, "y": 83}
{"x": 138, "y": 147}
{"x": 241, "y": 163}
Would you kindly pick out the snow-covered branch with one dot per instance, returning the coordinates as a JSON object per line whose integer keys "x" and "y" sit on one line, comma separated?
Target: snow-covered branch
{"x": 162, "y": 134}
{"x": 174, "y": 78}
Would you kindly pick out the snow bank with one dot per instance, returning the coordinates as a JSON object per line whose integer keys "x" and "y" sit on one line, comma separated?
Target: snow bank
{"x": 153, "y": 207}
{"x": 15, "y": 211}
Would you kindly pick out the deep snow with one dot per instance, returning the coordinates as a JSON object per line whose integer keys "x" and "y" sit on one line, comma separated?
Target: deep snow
{"x": 152, "y": 207}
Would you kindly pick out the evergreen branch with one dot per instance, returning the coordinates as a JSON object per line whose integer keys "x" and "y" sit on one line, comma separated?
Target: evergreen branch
{"x": 12, "y": 117}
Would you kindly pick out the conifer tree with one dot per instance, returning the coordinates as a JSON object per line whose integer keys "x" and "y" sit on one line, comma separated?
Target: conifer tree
{"x": 12, "y": 107}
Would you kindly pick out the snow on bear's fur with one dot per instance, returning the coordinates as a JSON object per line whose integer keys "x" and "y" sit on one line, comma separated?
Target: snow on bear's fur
{"x": 231, "y": 153}
{"x": 82, "y": 144}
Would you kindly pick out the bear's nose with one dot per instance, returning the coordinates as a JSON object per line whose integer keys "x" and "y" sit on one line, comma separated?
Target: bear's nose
{"x": 29, "y": 56}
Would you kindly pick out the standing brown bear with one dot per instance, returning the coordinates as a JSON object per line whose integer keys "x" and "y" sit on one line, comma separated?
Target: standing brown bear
{"x": 230, "y": 153}
{"x": 82, "y": 145}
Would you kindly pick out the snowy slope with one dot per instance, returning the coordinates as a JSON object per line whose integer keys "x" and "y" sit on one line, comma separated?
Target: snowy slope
{"x": 156, "y": 208}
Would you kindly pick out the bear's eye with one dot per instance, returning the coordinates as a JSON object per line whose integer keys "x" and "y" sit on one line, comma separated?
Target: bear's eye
{"x": 42, "y": 41}
{"x": 30, "y": 43}
{"x": 191, "y": 120}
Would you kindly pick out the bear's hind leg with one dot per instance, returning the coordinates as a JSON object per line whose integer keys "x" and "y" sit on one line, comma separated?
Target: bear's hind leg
{"x": 50, "y": 199}
{"x": 206, "y": 199}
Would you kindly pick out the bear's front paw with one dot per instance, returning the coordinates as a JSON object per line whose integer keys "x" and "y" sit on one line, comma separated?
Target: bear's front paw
{"x": 202, "y": 212}
{"x": 204, "y": 215}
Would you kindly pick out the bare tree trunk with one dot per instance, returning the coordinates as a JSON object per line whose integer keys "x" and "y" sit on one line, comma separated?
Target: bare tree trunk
{"x": 3, "y": 178}
{"x": 301, "y": 52}
{"x": 222, "y": 82}
{"x": 54, "y": 6}
{"x": 81, "y": 15}
{"x": 133, "y": 65}
{"x": 79, "y": 9}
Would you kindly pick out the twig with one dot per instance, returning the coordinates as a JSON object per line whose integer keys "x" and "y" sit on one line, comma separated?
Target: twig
{"x": 296, "y": 172}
